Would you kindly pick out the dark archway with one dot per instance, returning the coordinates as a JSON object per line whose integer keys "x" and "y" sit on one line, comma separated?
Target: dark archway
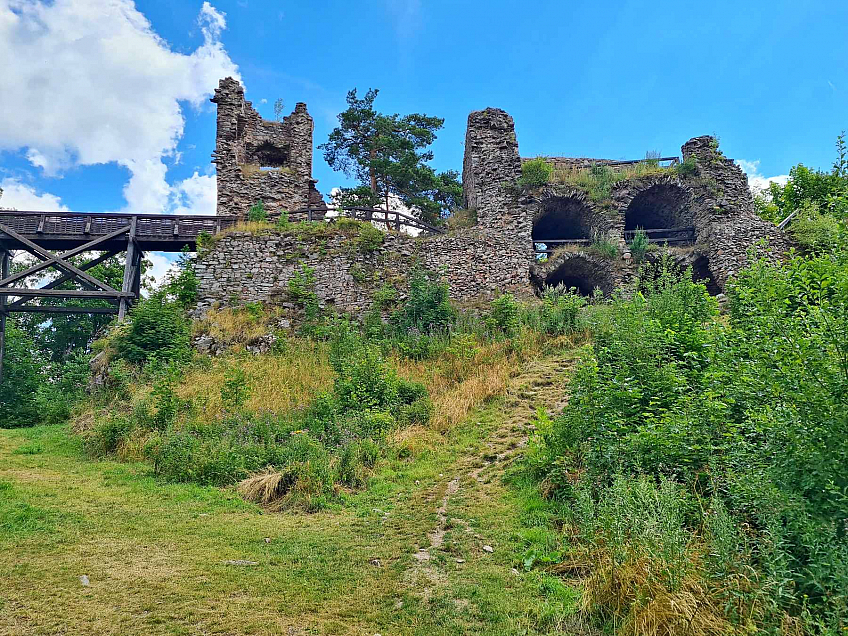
{"x": 563, "y": 218}
{"x": 701, "y": 273}
{"x": 662, "y": 205}
{"x": 576, "y": 271}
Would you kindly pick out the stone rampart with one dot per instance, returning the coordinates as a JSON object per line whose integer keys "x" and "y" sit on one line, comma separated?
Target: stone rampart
{"x": 245, "y": 267}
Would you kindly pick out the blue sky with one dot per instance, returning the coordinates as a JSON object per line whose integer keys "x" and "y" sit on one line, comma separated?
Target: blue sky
{"x": 109, "y": 112}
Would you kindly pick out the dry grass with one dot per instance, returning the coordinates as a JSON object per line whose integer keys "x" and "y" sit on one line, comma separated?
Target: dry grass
{"x": 634, "y": 596}
{"x": 235, "y": 326}
{"x": 459, "y": 381}
{"x": 265, "y": 487}
{"x": 278, "y": 383}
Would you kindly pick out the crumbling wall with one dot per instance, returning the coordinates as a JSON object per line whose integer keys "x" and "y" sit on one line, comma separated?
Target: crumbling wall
{"x": 725, "y": 222}
{"x": 244, "y": 267}
{"x": 490, "y": 167}
{"x": 259, "y": 160}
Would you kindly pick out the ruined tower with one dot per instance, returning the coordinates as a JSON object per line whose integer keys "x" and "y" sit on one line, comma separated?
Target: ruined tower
{"x": 260, "y": 160}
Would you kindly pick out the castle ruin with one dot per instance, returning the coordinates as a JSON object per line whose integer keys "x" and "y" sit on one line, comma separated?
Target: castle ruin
{"x": 710, "y": 205}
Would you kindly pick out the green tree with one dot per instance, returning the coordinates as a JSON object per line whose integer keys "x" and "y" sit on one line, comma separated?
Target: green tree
{"x": 21, "y": 378}
{"x": 827, "y": 191}
{"x": 388, "y": 155}
{"x": 58, "y": 335}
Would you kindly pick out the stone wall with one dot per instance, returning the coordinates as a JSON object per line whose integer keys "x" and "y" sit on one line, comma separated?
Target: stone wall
{"x": 244, "y": 267}
{"x": 726, "y": 224}
{"x": 491, "y": 164}
{"x": 259, "y": 160}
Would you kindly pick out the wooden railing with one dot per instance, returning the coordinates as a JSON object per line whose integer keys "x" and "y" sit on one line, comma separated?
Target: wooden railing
{"x": 163, "y": 228}
{"x": 671, "y": 235}
{"x": 392, "y": 219}
{"x": 71, "y": 225}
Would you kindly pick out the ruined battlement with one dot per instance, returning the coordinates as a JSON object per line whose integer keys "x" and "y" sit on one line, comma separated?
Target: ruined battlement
{"x": 261, "y": 160}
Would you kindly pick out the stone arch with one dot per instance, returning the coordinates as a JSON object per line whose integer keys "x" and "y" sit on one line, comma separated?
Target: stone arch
{"x": 579, "y": 270}
{"x": 562, "y": 217}
{"x": 658, "y": 204}
{"x": 701, "y": 272}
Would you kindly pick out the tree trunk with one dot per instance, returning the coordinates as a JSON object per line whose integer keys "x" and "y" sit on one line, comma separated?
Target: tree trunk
{"x": 371, "y": 156}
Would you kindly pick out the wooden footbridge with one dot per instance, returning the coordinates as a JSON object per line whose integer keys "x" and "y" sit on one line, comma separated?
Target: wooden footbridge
{"x": 56, "y": 237}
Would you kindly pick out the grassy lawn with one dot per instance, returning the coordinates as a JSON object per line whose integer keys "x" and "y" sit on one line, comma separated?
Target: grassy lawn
{"x": 158, "y": 556}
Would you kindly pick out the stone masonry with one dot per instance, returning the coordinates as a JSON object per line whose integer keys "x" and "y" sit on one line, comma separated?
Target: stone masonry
{"x": 260, "y": 160}
{"x": 246, "y": 267}
{"x": 494, "y": 255}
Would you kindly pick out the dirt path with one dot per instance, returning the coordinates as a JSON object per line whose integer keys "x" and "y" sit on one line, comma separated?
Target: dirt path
{"x": 541, "y": 384}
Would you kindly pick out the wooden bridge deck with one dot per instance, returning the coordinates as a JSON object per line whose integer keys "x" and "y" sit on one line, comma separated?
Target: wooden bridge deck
{"x": 153, "y": 232}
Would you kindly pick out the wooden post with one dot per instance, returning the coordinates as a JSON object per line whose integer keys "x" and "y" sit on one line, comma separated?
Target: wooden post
{"x": 4, "y": 273}
{"x": 129, "y": 261}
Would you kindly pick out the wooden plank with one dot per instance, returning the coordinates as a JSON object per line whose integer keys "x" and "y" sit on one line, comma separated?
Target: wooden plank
{"x": 44, "y": 309}
{"x": 56, "y": 261}
{"x": 63, "y": 293}
{"x": 66, "y": 277}
{"x": 129, "y": 262}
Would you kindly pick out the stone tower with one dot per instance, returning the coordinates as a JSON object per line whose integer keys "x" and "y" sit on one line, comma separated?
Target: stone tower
{"x": 259, "y": 160}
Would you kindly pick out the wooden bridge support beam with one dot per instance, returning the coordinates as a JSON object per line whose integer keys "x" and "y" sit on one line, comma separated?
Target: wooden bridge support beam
{"x": 130, "y": 265}
{"x": 5, "y": 259}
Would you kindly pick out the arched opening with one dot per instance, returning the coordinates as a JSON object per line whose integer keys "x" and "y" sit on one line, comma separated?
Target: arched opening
{"x": 562, "y": 221}
{"x": 578, "y": 272}
{"x": 662, "y": 206}
{"x": 701, "y": 273}
{"x": 268, "y": 155}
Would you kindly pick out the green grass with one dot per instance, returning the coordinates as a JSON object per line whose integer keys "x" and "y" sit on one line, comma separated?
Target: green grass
{"x": 155, "y": 553}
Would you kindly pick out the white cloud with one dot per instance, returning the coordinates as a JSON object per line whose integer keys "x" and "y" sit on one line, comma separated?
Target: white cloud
{"x": 87, "y": 82}
{"x": 196, "y": 195}
{"x": 757, "y": 182}
{"x": 22, "y": 197}
{"x": 161, "y": 265}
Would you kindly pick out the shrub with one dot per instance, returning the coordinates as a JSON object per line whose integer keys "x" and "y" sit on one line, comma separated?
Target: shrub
{"x": 535, "y": 172}
{"x": 558, "y": 313}
{"x": 57, "y": 396}
{"x": 686, "y": 168}
{"x": 677, "y": 424}
{"x": 283, "y": 220}
{"x": 504, "y": 314}
{"x": 814, "y": 231}
{"x": 21, "y": 379}
{"x": 182, "y": 285}
{"x": 157, "y": 329}
{"x": 427, "y": 309}
{"x": 639, "y": 245}
{"x": 369, "y": 238}
{"x": 606, "y": 248}
{"x": 257, "y": 213}
{"x": 386, "y": 296}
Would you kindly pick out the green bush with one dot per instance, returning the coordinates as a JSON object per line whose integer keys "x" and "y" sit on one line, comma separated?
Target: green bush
{"x": 535, "y": 172}
{"x": 558, "y": 313}
{"x": 749, "y": 420}
{"x": 182, "y": 285}
{"x": 257, "y": 213}
{"x": 427, "y": 309}
{"x": 22, "y": 376}
{"x": 639, "y": 245}
{"x": 606, "y": 248}
{"x": 369, "y": 238}
{"x": 58, "y": 395}
{"x": 157, "y": 330}
{"x": 505, "y": 314}
{"x": 814, "y": 231}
